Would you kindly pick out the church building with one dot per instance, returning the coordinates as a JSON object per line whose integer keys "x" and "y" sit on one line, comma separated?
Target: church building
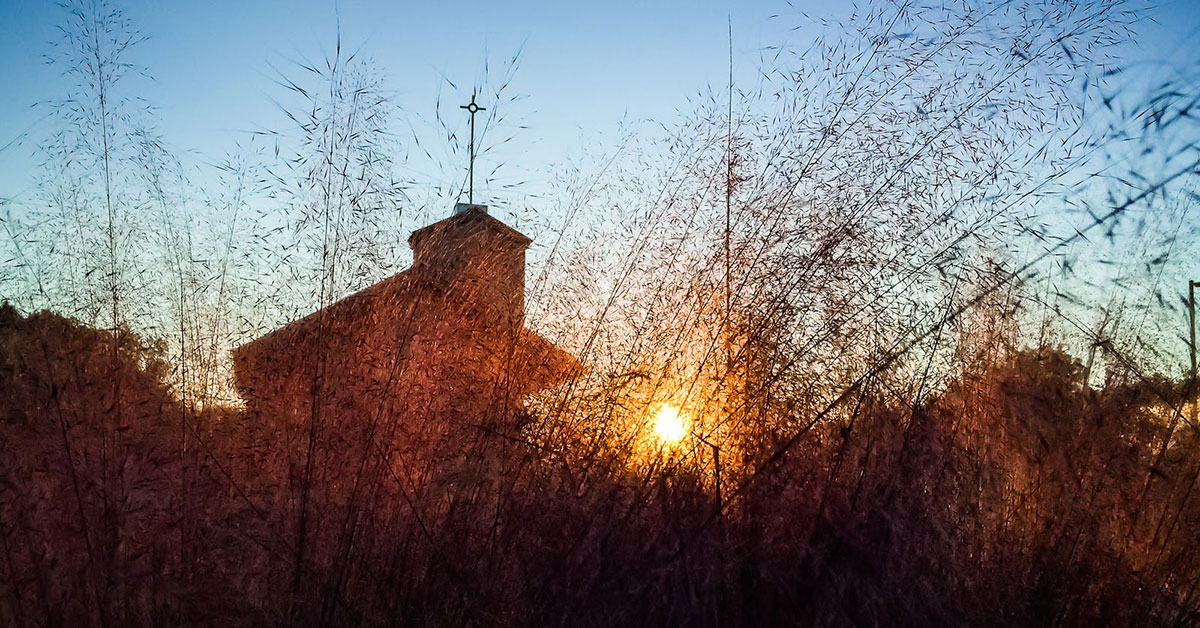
{"x": 432, "y": 351}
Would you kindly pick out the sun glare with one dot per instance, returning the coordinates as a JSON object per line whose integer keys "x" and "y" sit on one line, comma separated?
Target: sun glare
{"x": 670, "y": 424}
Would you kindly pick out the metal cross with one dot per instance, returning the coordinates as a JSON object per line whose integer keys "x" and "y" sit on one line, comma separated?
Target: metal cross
{"x": 472, "y": 109}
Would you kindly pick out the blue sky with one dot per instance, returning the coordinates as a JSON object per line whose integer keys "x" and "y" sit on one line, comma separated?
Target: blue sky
{"x": 584, "y": 66}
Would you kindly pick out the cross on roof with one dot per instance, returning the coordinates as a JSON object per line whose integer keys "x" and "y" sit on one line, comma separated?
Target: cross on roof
{"x": 472, "y": 109}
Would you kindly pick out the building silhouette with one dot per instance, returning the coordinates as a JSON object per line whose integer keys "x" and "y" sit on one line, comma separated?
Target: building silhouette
{"x": 419, "y": 361}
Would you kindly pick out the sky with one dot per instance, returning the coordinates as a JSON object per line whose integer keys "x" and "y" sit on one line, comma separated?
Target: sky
{"x": 584, "y": 67}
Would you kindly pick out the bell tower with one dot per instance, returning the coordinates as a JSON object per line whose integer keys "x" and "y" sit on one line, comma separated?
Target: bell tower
{"x": 476, "y": 257}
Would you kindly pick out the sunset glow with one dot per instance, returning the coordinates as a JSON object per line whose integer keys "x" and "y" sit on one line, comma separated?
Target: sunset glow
{"x": 822, "y": 313}
{"x": 670, "y": 424}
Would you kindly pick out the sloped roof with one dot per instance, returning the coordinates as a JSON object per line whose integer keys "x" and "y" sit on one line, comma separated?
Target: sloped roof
{"x": 389, "y": 297}
{"x": 347, "y": 311}
{"x": 473, "y": 218}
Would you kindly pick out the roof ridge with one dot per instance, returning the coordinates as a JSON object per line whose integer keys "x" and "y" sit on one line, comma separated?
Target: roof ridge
{"x": 473, "y": 215}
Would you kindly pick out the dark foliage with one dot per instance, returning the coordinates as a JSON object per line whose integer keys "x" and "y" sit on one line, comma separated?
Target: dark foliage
{"x": 856, "y": 281}
{"x": 1017, "y": 497}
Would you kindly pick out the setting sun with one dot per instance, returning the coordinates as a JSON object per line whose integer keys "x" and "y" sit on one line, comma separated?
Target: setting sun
{"x": 670, "y": 424}
{"x": 870, "y": 310}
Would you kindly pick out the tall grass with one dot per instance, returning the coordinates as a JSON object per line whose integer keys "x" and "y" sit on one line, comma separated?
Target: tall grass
{"x": 857, "y": 280}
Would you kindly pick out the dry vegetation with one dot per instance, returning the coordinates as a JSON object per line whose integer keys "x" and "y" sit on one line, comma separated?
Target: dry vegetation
{"x": 896, "y": 289}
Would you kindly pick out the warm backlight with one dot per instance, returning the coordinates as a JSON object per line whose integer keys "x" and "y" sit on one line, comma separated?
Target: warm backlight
{"x": 670, "y": 424}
